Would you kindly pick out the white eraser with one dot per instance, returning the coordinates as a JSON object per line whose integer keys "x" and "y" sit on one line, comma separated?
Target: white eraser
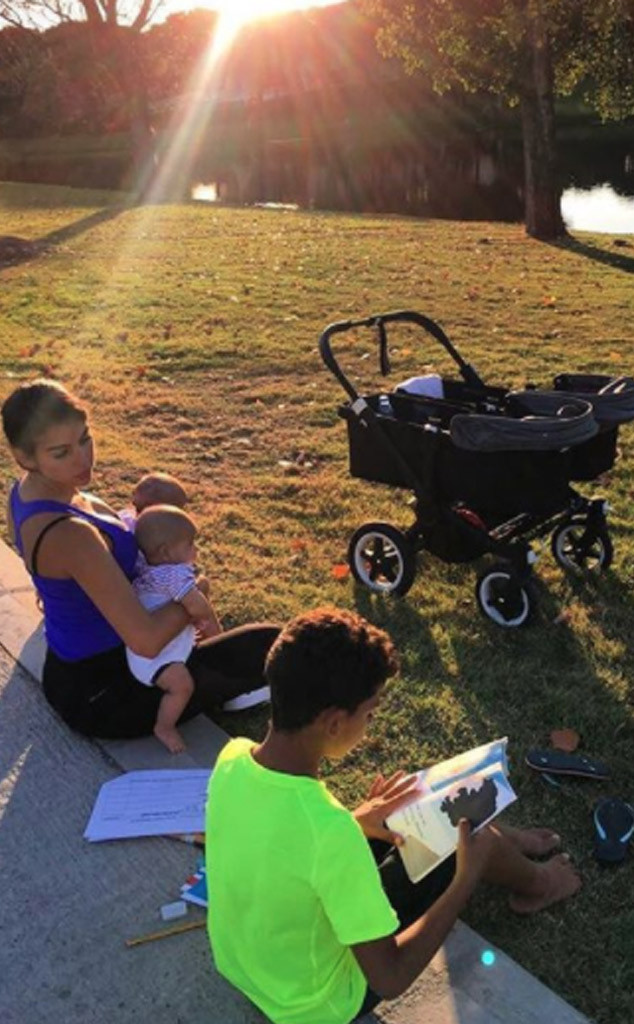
{"x": 170, "y": 911}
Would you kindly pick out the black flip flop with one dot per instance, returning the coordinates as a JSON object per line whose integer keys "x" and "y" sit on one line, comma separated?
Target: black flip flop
{"x": 613, "y": 821}
{"x": 558, "y": 762}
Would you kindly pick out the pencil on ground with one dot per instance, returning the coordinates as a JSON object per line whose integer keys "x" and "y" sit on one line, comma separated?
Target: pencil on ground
{"x": 187, "y": 926}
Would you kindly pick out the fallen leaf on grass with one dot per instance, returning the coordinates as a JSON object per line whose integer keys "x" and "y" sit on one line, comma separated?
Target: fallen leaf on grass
{"x": 298, "y": 545}
{"x": 29, "y": 352}
{"x": 340, "y": 572}
{"x": 565, "y": 739}
{"x": 565, "y": 615}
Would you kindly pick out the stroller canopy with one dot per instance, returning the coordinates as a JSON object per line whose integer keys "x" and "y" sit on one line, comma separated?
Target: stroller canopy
{"x": 538, "y": 421}
{"x": 612, "y": 399}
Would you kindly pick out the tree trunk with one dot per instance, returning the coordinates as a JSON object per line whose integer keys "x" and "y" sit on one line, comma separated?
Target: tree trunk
{"x": 542, "y": 191}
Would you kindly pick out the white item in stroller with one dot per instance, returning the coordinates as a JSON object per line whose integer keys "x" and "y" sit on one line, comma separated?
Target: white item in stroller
{"x": 430, "y": 386}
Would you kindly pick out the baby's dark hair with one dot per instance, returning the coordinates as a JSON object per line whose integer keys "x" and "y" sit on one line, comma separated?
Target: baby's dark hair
{"x": 34, "y": 407}
{"x": 327, "y": 658}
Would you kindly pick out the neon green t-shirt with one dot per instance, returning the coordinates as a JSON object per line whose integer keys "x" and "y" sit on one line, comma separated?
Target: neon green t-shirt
{"x": 292, "y": 885}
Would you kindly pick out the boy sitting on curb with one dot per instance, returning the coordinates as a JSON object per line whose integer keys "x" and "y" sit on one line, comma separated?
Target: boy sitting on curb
{"x": 302, "y": 920}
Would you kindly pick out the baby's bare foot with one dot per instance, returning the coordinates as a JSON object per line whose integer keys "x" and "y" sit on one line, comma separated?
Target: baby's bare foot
{"x": 535, "y": 842}
{"x": 171, "y": 738}
{"x": 559, "y": 880}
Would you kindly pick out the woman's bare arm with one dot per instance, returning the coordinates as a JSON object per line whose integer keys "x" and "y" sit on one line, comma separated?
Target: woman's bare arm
{"x": 81, "y": 552}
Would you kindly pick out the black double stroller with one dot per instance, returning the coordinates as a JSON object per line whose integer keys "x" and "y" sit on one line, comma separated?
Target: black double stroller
{"x": 490, "y": 470}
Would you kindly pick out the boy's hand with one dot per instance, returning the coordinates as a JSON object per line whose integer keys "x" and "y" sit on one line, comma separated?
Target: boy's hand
{"x": 473, "y": 852}
{"x": 385, "y": 796}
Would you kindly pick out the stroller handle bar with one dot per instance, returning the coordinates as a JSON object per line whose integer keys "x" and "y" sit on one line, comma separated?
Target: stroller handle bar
{"x": 379, "y": 321}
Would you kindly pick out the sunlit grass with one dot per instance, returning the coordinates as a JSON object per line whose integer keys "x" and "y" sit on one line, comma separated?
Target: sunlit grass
{"x": 197, "y": 350}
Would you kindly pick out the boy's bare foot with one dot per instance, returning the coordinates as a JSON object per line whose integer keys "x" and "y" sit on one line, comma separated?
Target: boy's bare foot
{"x": 171, "y": 738}
{"x": 559, "y": 880}
{"x": 533, "y": 842}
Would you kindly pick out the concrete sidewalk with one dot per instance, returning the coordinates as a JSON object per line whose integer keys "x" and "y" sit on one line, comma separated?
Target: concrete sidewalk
{"x": 67, "y": 905}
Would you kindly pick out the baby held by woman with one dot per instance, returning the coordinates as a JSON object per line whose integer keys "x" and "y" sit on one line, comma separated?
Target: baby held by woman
{"x": 166, "y": 536}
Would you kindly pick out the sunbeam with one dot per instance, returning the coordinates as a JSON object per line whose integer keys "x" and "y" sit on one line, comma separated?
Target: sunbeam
{"x": 186, "y": 130}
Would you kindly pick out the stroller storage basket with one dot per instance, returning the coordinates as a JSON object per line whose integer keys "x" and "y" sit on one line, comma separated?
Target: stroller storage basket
{"x": 496, "y": 464}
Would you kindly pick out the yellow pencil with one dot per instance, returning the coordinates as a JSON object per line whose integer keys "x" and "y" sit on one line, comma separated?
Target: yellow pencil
{"x": 187, "y": 926}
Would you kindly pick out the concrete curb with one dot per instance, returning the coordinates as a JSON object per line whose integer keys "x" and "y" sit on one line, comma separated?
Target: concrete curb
{"x": 456, "y": 988}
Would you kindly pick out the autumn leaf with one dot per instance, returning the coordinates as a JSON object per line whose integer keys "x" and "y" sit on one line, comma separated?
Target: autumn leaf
{"x": 565, "y": 739}
{"x": 340, "y": 572}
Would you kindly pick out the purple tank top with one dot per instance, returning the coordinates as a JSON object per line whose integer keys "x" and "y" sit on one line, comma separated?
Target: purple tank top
{"x": 74, "y": 626}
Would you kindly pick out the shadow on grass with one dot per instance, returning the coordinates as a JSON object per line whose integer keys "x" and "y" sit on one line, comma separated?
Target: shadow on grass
{"x": 466, "y": 681}
{"x": 524, "y": 683}
{"x": 401, "y": 620}
{"x": 15, "y": 251}
{"x": 593, "y": 252}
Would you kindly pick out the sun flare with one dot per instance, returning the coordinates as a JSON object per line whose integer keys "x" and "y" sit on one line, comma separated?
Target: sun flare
{"x": 243, "y": 11}
{"x": 248, "y": 9}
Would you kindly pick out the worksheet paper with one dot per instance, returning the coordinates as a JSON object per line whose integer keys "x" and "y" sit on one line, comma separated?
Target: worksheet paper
{"x": 150, "y": 803}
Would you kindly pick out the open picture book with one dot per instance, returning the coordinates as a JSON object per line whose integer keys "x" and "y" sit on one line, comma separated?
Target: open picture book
{"x": 473, "y": 785}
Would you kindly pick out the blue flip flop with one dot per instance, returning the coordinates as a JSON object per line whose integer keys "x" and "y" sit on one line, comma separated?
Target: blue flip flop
{"x": 559, "y": 762}
{"x": 613, "y": 821}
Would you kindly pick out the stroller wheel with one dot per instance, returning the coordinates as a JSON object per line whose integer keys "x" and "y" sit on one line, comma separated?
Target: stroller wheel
{"x": 577, "y": 548}
{"x": 502, "y": 597}
{"x": 381, "y": 557}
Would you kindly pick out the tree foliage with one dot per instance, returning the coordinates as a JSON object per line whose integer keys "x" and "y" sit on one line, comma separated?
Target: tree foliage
{"x": 525, "y": 51}
{"x": 601, "y": 62}
{"x": 481, "y": 45}
{"x": 68, "y": 78}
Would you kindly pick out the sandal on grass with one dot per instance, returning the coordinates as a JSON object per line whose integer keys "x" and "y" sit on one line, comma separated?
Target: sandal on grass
{"x": 613, "y": 821}
{"x": 559, "y": 762}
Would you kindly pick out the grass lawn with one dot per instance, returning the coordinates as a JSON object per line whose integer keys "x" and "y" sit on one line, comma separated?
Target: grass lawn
{"x": 192, "y": 332}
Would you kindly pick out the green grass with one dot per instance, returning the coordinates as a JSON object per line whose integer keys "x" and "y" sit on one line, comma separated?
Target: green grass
{"x": 192, "y": 332}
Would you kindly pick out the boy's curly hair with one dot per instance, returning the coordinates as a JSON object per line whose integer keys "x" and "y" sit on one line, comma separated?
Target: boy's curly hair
{"x": 327, "y": 658}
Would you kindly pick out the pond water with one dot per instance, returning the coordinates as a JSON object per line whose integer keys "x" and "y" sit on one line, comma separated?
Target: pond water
{"x": 599, "y": 209}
